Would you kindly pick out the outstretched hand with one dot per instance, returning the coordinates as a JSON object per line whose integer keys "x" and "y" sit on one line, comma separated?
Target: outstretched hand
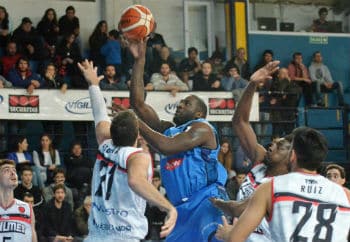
{"x": 90, "y": 72}
{"x": 265, "y": 73}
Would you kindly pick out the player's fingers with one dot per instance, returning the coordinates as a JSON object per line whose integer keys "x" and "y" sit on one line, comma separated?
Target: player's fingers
{"x": 224, "y": 221}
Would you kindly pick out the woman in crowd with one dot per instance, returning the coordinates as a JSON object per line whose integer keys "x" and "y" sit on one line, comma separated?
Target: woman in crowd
{"x": 48, "y": 28}
{"x": 4, "y": 29}
{"x": 98, "y": 38}
{"x": 46, "y": 159}
{"x": 225, "y": 155}
{"x": 22, "y": 158}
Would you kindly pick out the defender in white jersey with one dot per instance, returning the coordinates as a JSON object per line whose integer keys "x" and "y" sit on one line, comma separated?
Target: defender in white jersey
{"x": 17, "y": 221}
{"x": 268, "y": 163}
{"x": 301, "y": 206}
{"x": 122, "y": 174}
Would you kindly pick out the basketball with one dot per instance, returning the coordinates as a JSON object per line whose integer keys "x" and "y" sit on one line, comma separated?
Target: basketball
{"x": 136, "y": 22}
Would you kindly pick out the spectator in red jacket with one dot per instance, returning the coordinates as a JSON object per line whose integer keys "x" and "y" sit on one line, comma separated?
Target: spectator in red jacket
{"x": 9, "y": 60}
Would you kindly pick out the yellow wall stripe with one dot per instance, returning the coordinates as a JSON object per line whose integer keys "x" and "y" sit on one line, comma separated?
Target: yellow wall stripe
{"x": 241, "y": 25}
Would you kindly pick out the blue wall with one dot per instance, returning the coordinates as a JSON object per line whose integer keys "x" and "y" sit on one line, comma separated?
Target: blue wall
{"x": 336, "y": 54}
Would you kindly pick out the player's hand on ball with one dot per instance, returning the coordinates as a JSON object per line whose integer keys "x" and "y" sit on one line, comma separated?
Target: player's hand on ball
{"x": 90, "y": 72}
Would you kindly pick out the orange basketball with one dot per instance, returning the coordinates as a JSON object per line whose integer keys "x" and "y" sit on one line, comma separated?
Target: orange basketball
{"x": 136, "y": 22}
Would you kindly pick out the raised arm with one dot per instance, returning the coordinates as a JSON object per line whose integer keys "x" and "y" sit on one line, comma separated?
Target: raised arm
{"x": 199, "y": 134}
{"x": 99, "y": 109}
{"x": 137, "y": 92}
{"x": 138, "y": 181}
{"x": 240, "y": 120}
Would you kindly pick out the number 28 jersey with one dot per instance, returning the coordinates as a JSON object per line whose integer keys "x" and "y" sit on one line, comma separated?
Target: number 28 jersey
{"x": 307, "y": 207}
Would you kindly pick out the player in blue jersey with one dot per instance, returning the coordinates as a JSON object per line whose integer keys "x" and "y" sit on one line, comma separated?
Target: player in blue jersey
{"x": 190, "y": 170}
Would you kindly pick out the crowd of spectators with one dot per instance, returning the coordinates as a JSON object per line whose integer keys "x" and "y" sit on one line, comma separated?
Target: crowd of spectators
{"x": 47, "y": 57}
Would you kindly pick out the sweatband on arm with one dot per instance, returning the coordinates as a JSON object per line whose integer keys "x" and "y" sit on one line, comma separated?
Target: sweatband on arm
{"x": 99, "y": 109}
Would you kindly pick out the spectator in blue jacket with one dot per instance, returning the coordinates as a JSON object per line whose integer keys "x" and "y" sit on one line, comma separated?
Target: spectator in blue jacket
{"x": 22, "y": 76}
{"x": 233, "y": 80}
{"x": 112, "y": 50}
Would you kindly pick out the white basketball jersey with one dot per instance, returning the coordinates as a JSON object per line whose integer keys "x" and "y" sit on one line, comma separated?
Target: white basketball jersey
{"x": 307, "y": 207}
{"x": 254, "y": 178}
{"x": 117, "y": 213}
{"x": 16, "y": 223}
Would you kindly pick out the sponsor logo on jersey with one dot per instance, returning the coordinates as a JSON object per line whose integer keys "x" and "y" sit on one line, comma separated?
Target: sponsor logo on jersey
{"x": 12, "y": 227}
{"x": 21, "y": 209}
{"x": 110, "y": 211}
{"x": 111, "y": 227}
{"x": 173, "y": 164}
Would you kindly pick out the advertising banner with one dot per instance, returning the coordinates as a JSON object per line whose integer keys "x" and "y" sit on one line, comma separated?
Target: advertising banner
{"x": 74, "y": 105}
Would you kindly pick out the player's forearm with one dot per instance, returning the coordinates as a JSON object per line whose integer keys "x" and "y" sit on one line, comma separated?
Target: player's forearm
{"x": 147, "y": 191}
{"x": 137, "y": 84}
{"x": 244, "y": 105}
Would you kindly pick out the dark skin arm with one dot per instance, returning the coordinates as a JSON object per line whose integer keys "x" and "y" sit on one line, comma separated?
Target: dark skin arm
{"x": 240, "y": 120}
{"x": 137, "y": 92}
{"x": 199, "y": 134}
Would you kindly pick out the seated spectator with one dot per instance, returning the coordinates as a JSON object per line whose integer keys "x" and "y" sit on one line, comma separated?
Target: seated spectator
{"x": 4, "y": 29}
{"x": 154, "y": 44}
{"x": 233, "y": 184}
{"x": 155, "y": 216}
{"x": 166, "y": 81}
{"x": 79, "y": 167}
{"x": 299, "y": 74}
{"x": 23, "y": 158}
{"x": 284, "y": 99}
{"x": 241, "y": 62}
{"x": 69, "y": 55}
{"x": 26, "y": 186}
{"x": 4, "y": 83}
{"x": 233, "y": 81}
{"x": 217, "y": 64}
{"x": 190, "y": 66}
{"x": 51, "y": 80}
{"x": 321, "y": 24}
{"x": 22, "y": 76}
{"x": 10, "y": 58}
{"x": 266, "y": 58}
{"x": 96, "y": 40}
{"x": 69, "y": 23}
{"x": 225, "y": 155}
{"x": 58, "y": 217}
{"x": 164, "y": 57}
{"x": 323, "y": 81}
{"x": 59, "y": 179}
{"x": 112, "y": 80}
{"x": 206, "y": 80}
{"x": 111, "y": 50}
{"x": 29, "y": 42}
{"x": 47, "y": 158}
{"x": 81, "y": 216}
{"x": 48, "y": 28}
